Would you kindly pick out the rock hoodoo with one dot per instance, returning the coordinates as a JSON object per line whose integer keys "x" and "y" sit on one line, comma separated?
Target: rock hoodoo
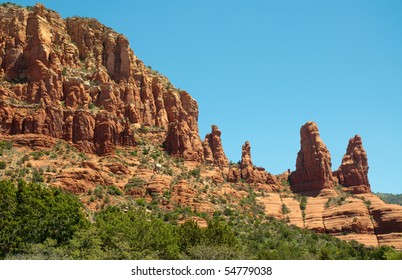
{"x": 213, "y": 150}
{"x": 353, "y": 171}
{"x": 313, "y": 164}
{"x": 247, "y": 171}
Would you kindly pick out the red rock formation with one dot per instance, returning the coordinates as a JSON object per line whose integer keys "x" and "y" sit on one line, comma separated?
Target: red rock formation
{"x": 182, "y": 139}
{"x": 78, "y": 80}
{"x": 247, "y": 171}
{"x": 352, "y": 173}
{"x": 213, "y": 150}
{"x": 313, "y": 164}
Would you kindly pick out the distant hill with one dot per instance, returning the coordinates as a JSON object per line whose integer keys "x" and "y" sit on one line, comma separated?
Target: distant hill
{"x": 390, "y": 198}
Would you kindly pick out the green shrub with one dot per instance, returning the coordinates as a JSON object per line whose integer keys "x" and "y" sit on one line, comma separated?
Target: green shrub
{"x": 31, "y": 213}
{"x": 23, "y": 160}
{"x": 37, "y": 175}
{"x": 303, "y": 203}
{"x": 3, "y": 164}
{"x": 141, "y": 202}
{"x": 113, "y": 190}
{"x": 98, "y": 192}
{"x": 6, "y": 145}
{"x": 37, "y": 155}
{"x": 285, "y": 209}
{"x": 135, "y": 182}
{"x": 195, "y": 172}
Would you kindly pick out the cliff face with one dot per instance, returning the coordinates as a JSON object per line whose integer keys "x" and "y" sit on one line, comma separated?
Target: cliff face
{"x": 353, "y": 171}
{"x": 313, "y": 164}
{"x": 78, "y": 80}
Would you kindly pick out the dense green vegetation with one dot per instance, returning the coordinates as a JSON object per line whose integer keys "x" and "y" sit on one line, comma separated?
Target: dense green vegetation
{"x": 32, "y": 213}
{"x": 38, "y": 222}
{"x": 390, "y": 198}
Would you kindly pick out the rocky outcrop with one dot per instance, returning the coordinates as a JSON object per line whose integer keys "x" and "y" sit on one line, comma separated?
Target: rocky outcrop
{"x": 313, "y": 165}
{"x": 213, "y": 150}
{"x": 78, "y": 80}
{"x": 182, "y": 138}
{"x": 353, "y": 171}
{"x": 247, "y": 171}
{"x": 80, "y": 180}
{"x": 350, "y": 217}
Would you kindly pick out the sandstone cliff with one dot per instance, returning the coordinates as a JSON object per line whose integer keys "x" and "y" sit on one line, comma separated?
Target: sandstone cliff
{"x": 78, "y": 80}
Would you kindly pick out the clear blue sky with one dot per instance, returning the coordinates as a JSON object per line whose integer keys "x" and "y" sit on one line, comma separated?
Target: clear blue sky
{"x": 261, "y": 69}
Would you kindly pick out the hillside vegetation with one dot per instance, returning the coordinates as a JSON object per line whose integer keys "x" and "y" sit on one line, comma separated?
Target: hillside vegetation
{"x": 45, "y": 223}
{"x": 390, "y": 198}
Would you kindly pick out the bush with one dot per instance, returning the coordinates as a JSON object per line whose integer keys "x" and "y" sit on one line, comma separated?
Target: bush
{"x": 135, "y": 235}
{"x": 23, "y": 159}
{"x": 135, "y": 182}
{"x": 6, "y": 145}
{"x": 195, "y": 172}
{"x": 285, "y": 209}
{"x": 3, "y": 164}
{"x": 303, "y": 203}
{"x": 37, "y": 155}
{"x": 37, "y": 175}
{"x": 113, "y": 190}
{"x": 98, "y": 192}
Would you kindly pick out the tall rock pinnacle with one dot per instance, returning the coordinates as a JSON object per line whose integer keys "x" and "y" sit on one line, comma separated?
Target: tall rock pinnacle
{"x": 353, "y": 171}
{"x": 213, "y": 150}
{"x": 313, "y": 164}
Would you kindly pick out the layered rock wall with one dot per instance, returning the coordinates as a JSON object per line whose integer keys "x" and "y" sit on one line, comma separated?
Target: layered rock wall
{"x": 78, "y": 80}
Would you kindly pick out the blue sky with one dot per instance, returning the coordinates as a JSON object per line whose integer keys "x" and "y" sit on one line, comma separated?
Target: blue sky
{"x": 261, "y": 69}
